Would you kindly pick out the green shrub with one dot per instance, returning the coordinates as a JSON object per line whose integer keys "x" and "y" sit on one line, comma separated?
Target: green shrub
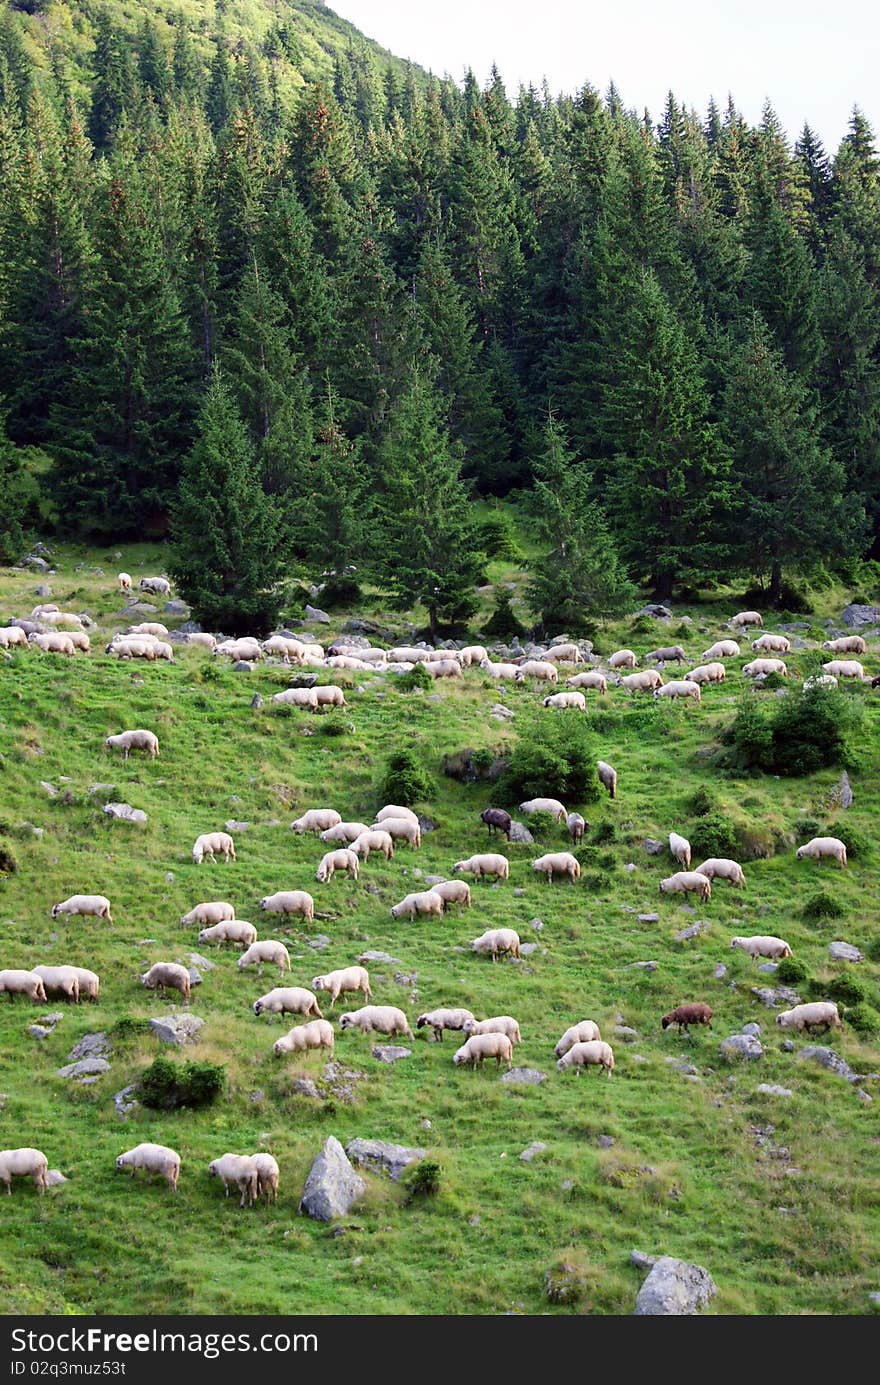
{"x": 496, "y": 536}
{"x": 773, "y": 681}
{"x": 858, "y": 844}
{"x": 702, "y": 802}
{"x": 845, "y": 988}
{"x": 822, "y": 906}
{"x": 340, "y": 589}
{"x": 713, "y": 834}
{"x": 554, "y": 757}
{"x": 542, "y": 826}
{"x": 805, "y": 829}
{"x": 750, "y": 735}
{"x": 503, "y": 621}
{"x": 166, "y": 1085}
{"x": 864, "y": 1019}
{"x": 8, "y": 862}
{"x": 129, "y": 1028}
{"x": 405, "y": 781}
{"x": 804, "y": 732}
{"x": 416, "y": 677}
{"x": 642, "y": 625}
{"x": 604, "y": 832}
{"x": 753, "y": 842}
{"x": 422, "y": 1180}
{"x": 336, "y": 725}
{"x": 791, "y": 972}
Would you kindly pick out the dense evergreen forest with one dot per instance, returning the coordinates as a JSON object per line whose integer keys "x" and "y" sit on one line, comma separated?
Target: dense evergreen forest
{"x": 243, "y": 251}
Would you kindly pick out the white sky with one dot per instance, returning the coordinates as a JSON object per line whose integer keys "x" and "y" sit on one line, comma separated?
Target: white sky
{"x": 814, "y": 60}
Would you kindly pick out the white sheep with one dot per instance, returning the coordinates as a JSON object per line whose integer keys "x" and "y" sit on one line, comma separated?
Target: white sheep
{"x": 24, "y": 1163}
{"x": 285, "y": 645}
{"x": 581, "y": 1055}
{"x": 496, "y": 941}
{"x": 722, "y": 868}
{"x": 592, "y": 678}
{"x": 209, "y": 912}
{"x": 582, "y": 1033}
{"x": 622, "y": 658}
{"x": 819, "y": 680}
{"x": 820, "y": 1014}
{"x": 646, "y": 680}
{"x": 370, "y": 840}
{"x": 680, "y": 688}
{"x": 297, "y": 697}
{"x": 164, "y": 974}
{"x": 230, "y": 931}
{"x": 441, "y": 1019}
{"x": 405, "y": 654}
{"x": 454, "y": 892}
{"x": 236, "y": 1171}
{"x": 498, "y": 670}
{"x": 487, "y": 863}
{"x": 282, "y": 1000}
{"x": 384, "y": 1019}
{"x": 423, "y": 902}
{"x": 577, "y": 826}
{"x": 680, "y": 848}
{"x": 344, "y": 859}
{"x": 394, "y": 810}
{"x": 345, "y": 832}
{"x": 563, "y": 700}
{"x": 760, "y": 668}
{"x": 329, "y": 695}
{"x": 845, "y": 668}
{"x": 707, "y": 673}
{"x": 290, "y": 902}
{"x": 14, "y": 981}
{"x": 124, "y": 580}
{"x": 80, "y": 640}
{"x": 558, "y": 863}
{"x": 401, "y": 830}
{"x": 347, "y": 661}
{"x": 496, "y": 1024}
{"x": 345, "y": 979}
{"x": 315, "y": 1034}
{"x": 96, "y": 904}
{"x": 62, "y": 981}
{"x": 721, "y": 649}
{"x": 472, "y": 654}
{"x": 480, "y": 1046}
{"x": 671, "y": 654}
{"x": 202, "y": 639}
{"x": 545, "y": 805}
{"x": 443, "y": 668}
{"x": 820, "y": 847}
{"x": 686, "y": 881}
{"x": 316, "y": 820}
{"x": 127, "y": 741}
{"x": 61, "y": 620}
{"x": 209, "y": 843}
{"x": 89, "y": 983}
{"x": 12, "y": 636}
{"x": 537, "y": 668}
{"x": 266, "y": 950}
{"x": 160, "y": 586}
{"x": 846, "y": 644}
{"x": 744, "y": 618}
{"x": 607, "y": 777}
{"x": 132, "y": 649}
{"x": 149, "y": 627}
{"x": 762, "y": 945}
{"x": 154, "y": 1159}
{"x": 52, "y": 643}
{"x": 778, "y": 644}
{"x": 564, "y": 653}
{"x": 268, "y": 1174}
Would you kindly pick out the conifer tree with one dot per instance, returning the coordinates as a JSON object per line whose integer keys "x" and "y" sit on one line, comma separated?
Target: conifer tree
{"x": 13, "y": 499}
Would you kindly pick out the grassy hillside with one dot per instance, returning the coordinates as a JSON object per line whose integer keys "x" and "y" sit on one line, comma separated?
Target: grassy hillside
{"x": 677, "y": 1153}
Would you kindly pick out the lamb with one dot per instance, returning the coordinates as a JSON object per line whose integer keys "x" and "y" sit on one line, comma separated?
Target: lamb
{"x": 472, "y": 654}
{"x": 592, "y": 678}
{"x": 537, "y": 668}
{"x": 671, "y": 654}
{"x": 164, "y": 974}
{"x": 61, "y": 981}
{"x": 582, "y": 1055}
{"x": 454, "y": 892}
{"x": 52, "y": 643}
{"x": 316, "y": 820}
{"x": 155, "y": 1159}
{"x": 644, "y": 681}
{"x": 744, "y": 618}
{"x": 819, "y": 1014}
{"x": 422, "y": 902}
{"x": 24, "y": 1163}
{"x": 845, "y": 668}
{"x": 164, "y": 651}
{"x": 682, "y": 688}
{"x": 444, "y": 1019}
{"x": 401, "y": 830}
{"x": 294, "y": 1000}
{"x": 444, "y": 668}
{"x": 89, "y": 984}
{"x": 497, "y": 941}
{"x": 230, "y": 931}
{"x": 558, "y": 863}
{"x": 297, "y": 697}
{"x": 846, "y": 644}
{"x": 583, "y": 1033}
{"x": 237, "y": 1171}
{"x": 373, "y": 841}
{"x": 762, "y": 945}
{"x": 545, "y": 805}
{"x": 16, "y": 982}
{"x": 393, "y": 810}
{"x": 819, "y": 847}
{"x": 96, "y": 904}
{"x": 685, "y": 881}
{"x": 607, "y": 777}
{"x": 564, "y": 654}
{"x": 707, "y": 673}
{"x": 149, "y": 627}
{"x": 779, "y": 644}
{"x": 485, "y": 864}
{"x": 498, "y": 670}
{"x": 497, "y": 820}
{"x": 329, "y": 695}
{"x": 722, "y": 868}
{"x": 760, "y": 668}
{"x": 344, "y": 859}
{"x": 209, "y": 842}
{"x": 268, "y": 1175}
{"x": 124, "y": 580}
{"x": 681, "y": 849}
{"x": 12, "y": 636}
{"x": 346, "y": 832}
{"x": 290, "y": 902}
{"x": 577, "y": 826}
{"x": 564, "y": 700}
{"x": 622, "y": 658}
{"x": 267, "y": 950}
{"x": 383, "y": 1019}
{"x": 345, "y": 979}
{"x": 159, "y": 585}
{"x": 480, "y": 1046}
{"x": 497, "y": 1024}
{"x": 698, "y": 1012}
{"x": 721, "y": 649}
{"x": 127, "y": 741}
{"x": 210, "y": 912}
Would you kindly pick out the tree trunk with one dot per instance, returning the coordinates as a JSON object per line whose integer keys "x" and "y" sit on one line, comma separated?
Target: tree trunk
{"x": 775, "y": 592}
{"x": 661, "y": 586}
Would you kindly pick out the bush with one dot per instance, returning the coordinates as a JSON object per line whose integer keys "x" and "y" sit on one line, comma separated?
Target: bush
{"x": 340, "y": 589}
{"x": 554, "y": 757}
{"x": 8, "y": 862}
{"x": 604, "y": 832}
{"x": 754, "y": 843}
{"x": 336, "y": 725}
{"x": 791, "y": 972}
{"x": 496, "y": 536}
{"x": 129, "y": 1028}
{"x": 643, "y": 625}
{"x": 166, "y": 1085}
{"x": 858, "y": 845}
{"x": 542, "y": 825}
{"x": 416, "y": 677}
{"x": 713, "y": 834}
{"x": 702, "y": 802}
{"x": 791, "y": 599}
{"x": 864, "y": 1019}
{"x": 822, "y": 906}
{"x": 406, "y": 781}
{"x": 845, "y": 988}
{"x": 806, "y": 731}
{"x": 503, "y": 622}
{"x": 751, "y": 736}
{"x": 422, "y": 1180}
{"x": 806, "y": 828}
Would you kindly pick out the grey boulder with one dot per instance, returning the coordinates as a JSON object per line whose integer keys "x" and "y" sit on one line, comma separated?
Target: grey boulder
{"x": 674, "y": 1288}
{"x": 332, "y": 1186}
{"x": 741, "y": 1046}
{"x": 125, "y": 811}
{"x": 177, "y": 1029}
{"x": 381, "y": 1157}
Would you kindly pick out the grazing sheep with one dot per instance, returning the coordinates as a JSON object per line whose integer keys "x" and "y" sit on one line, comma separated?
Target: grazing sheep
{"x": 59, "y": 620}
{"x": 209, "y": 842}
{"x": 393, "y": 810}
{"x": 607, "y": 777}
{"x": 826, "y": 680}
{"x": 149, "y": 627}
{"x": 421, "y": 902}
{"x": 345, "y": 832}
{"x": 846, "y": 644}
{"x": 315, "y": 1034}
{"x": 155, "y": 1159}
{"x": 202, "y": 639}
{"x": 383, "y": 1019}
{"x": 444, "y": 1019}
{"x": 497, "y": 820}
{"x": 164, "y": 651}
{"x": 563, "y": 700}
{"x": 472, "y": 654}
{"x": 697, "y": 1012}
{"x": 845, "y": 668}
{"x": 681, "y": 688}
{"x": 622, "y": 658}
{"x": 80, "y": 640}
{"x": 558, "y": 863}
{"x": 581, "y": 1055}
{"x": 498, "y": 670}
{"x": 762, "y": 945}
{"x": 132, "y": 649}
{"x": 373, "y": 841}
{"x": 545, "y": 805}
{"x": 577, "y": 826}
{"x": 646, "y": 680}
{"x": 401, "y": 830}
{"x": 486, "y": 864}
{"x": 760, "y": 668}
{"x": 685, "y": 881}
{"x": 164, "y": 974}
{"x": 671, "y": 654}
{"x": 405, "y": 654}
{"x": 329, "y": 695}
{"x": 316, "y": 820}
{"x": 297, "y": 697}
{"x": 593, "y": 678}
{"x": 820, "y": 847}
{"x": 721, "y": 649}
{"x": 237, "y": 1171}
{"x": 346, "y": 661}
{"x": 54, "y": 644}
{"x": 564, "y": 654}
{"x": 537, "y": 668}
{"x": 721, "y": 868}
{"x": 268, "y": 1174}
{"x": 16, "y": 982}
{"x": 24, "y": 1163}
{"x": 681, "y": 849}
{"x": 89, "y": 984}
{"x": 127, "y": 741}
{"x": 124, "y": 580}
{"x": 707, "y": 673}
{"x": 12, "y": 636}
{"x": 158, "y": 585}
{"x": 95, "y": 904}
{"x": 497, "y": 941}
{"x": 443, "y": 668}
{"x": 497, "y": 1024}
{"x": 779, "y": 644}
{"x": 62, "y": 981}
{"x": 267, "y": 950}
{"x": 480, "y": 1046}
{"x": 209, "y": 912}
{"x": 583, "y": 1033}
{"x": 230, "y": 931}
{"x": 744, "y": 618}
{"x": 346, "y": 979}
{"x": 820, "y": 1014}
{"x": 373, "y": 658}
{"x": 343, "y": 859}
{"x": 454, "y": 892}
{"x": 284, "y": 645}
{"x": 294, "y": 1000}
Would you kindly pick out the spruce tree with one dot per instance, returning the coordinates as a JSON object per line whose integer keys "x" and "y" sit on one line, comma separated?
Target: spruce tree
{"x": 13, "y": 498}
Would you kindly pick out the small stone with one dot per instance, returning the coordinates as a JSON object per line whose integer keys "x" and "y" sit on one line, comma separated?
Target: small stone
{"x": 37, "y": 1031}
{"x": 256, "y": 702}
{"x": 49, "y": 788}
{"x": 630, "y": 866}
{"x": 169, "y": 876}
{"x": 844, "y": 952}
{"x": 537, "y": 924}
{"x": 753, "y": 1029}
{"x": 319, "y": 617}
{"x": 526, "y": 949}
{"x": 769, "y": 967}
{"x": 529, "y": 1077}
{"x": 674, "y": 1288}
{"x": 380, "y": 957}
{"x": 90, "y": 1046}
{"x": 623, "y": 1031}
{"x": 536, "y": 1147}
{"x": 198, "y": 960}
{"x": 177, "y": 1029}
{"x": 86, "y": 1067}
{"x": 242, "y": 666}
{"x": 520, "y": 835}
{"x": 518, "y": 894}
{"x": 649, "y": 918}
{"x": 720, "y": 971}
{"x": 319, "y": 943}
{"x": 383, "y": 1157}
{"x": 693, "y": 930}
{"x": 304, "y": 1086}
{"x": 124, "y": 1105}
{"x": 641, "y": 1260}
{"x": 233, "y": 826}
{"x": 771, "y": 1089}
{"x": 641, "y": 966}
{"x": 652, "y": 846}
{"x": 125, "y": 811}
{"x": 390, "y": 1053}
{"x": 475, "y": 1221}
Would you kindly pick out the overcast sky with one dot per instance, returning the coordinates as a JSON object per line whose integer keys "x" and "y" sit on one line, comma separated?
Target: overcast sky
{"x": 815, "y": 61}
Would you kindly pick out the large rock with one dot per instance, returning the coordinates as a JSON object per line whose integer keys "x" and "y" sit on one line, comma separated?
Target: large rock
{"x": 125, "y": 811}
{"x": 332, "y": 1187}
{"x": 125, "y": 1102}
{"x": 177, "y": 1029}
{"x": 674, "y": 1288}
{"x": 741, "y": 1046}
{"x": 390, "y": 1053}
{"x": 844, "y": 952}
{"x": 832, "y": 1061}
{"x": 658, "y": 612}
{"x": 86, "y": 1067}
{"x": 90, "y": 1046}
{"x": 652, "y": 846}
{"x": 382, "y": 1157}
{"x": 855, "y": 616}
{"x": 520, "y": 835}
{"x": 176, "y": 608}
{"x": 379, "y": 957}
{"x": 319, "y": 617}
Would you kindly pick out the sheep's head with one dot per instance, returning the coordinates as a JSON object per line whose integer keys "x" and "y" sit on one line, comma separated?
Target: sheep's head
{"x": 345, "y": 1022}
{"x": 736, "y": 942}
{"x": 800, "y": 852}
{"x": 122, "y": 1161}
{"x": 460, "y": 1056}
{"x": 56, "y": 910}
{"x": 198, "y": 855}
{"x": 257, "y": 1007}
{"x": 319, "y": 983}
{"x": 666, "y": 1021}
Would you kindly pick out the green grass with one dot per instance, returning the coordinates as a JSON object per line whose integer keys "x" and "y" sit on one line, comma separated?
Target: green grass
{"x": 686, "y": 1175}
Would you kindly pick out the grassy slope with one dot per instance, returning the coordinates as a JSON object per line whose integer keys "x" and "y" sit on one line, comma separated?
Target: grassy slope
{"x": 778, "y": 1235}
